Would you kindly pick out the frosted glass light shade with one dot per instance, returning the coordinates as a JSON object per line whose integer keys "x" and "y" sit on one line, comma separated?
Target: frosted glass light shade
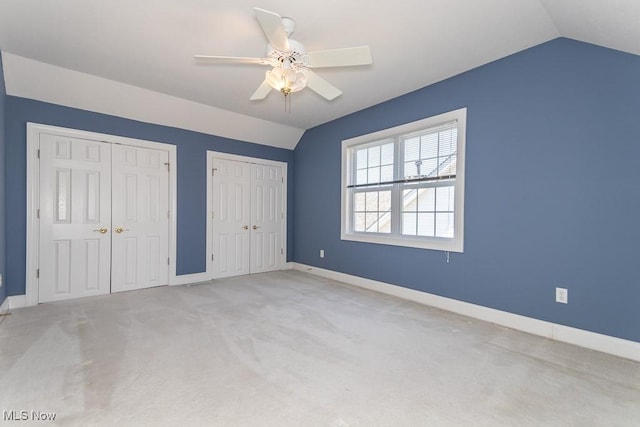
{"x": 286, "y": 80}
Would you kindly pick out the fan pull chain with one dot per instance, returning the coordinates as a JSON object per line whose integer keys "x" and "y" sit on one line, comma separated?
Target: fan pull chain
{"x": 287, "y": 103}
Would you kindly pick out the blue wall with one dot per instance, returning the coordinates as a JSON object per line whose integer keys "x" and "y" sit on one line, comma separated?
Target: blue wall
{"x": 552, "y": 189}
{"x": 192, "y": 176}
{"x": 3, "y": 229}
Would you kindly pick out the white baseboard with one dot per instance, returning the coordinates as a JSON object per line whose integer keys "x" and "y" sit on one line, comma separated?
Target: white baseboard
{"x": 187, "y": 279}
{"x": 16, "y": 301}
{"x": 288, "y": 266}
{"x": 591, "y": 340}
{"x": 4, "y": 307}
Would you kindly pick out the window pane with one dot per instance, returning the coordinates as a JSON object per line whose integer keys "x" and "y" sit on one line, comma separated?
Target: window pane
{"x": 386, "y": 155}
{"x": 448, "y": 167}
{"x": 358, "y": 222}
{"x": 385, "y": 201}
{"x": 412, "y": 149}
{"x": 409, "y": 224}
{"x": 371, "y": 222}
{"x": 409, "y": 200}
{"x": 448, "y": 142}
{"x": 372, "y": 201}
{"x": 429, "y": 167}
{"x": 374, "y": 156}
{"x": 410, "y": 169}
{"x": 387, "y": 173}
{"x": 361, "y": 156}
{"x": 384, "y": 223}
{"x": 427, "y": 199}
{"x": 429, "y": 145}
{"x": 372, "y": 211}
{"x": 361, "y": 177}
{"x": 358, "y": 204}
{"x": 374, "y": 175}
{"x": 425, "y": 224}
{"x": 445, "y": 198}
{"x": 444, "y": 225}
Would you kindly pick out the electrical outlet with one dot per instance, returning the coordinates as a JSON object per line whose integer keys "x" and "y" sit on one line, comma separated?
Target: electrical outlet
{"x": 321, "y": 253}
{"x": 562, "y": 295}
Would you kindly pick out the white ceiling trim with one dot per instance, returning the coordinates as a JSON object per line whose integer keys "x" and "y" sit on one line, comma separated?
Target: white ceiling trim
{"x": 36, "y": 80}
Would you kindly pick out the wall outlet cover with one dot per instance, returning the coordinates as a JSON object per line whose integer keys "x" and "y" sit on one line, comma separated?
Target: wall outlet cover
{"x": 562, "y": 295}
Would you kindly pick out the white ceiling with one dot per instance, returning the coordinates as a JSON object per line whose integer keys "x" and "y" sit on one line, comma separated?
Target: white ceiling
{"x": 148, "y": 46}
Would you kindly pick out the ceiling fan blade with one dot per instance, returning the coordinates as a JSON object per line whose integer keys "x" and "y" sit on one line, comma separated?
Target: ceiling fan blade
{"x": 262, "y": 92}
{"x": 346, "y": 57}
{"x": 231, "y": 59}
{"x": 271, "y": 24}
{"x": 321, "y": 86}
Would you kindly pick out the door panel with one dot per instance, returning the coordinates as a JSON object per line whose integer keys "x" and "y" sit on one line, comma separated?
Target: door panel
{"x": 231, "y": 202}
{"x": 247, "y": 218}
{"x": 140, "y": 243}
{"x": 267, "y": 217}
{"x": 75, "y": 203}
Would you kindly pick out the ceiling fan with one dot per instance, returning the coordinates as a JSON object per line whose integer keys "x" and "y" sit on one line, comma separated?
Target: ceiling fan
{"x": 291, "y": 64}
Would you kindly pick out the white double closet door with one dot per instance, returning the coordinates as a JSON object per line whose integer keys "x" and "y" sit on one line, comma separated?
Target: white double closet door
{"x": 103, "y": 218}
{"x": 248, "y": 218}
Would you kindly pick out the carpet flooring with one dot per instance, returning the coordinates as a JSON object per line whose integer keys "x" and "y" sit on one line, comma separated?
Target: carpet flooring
{"x": 292, "y": 349}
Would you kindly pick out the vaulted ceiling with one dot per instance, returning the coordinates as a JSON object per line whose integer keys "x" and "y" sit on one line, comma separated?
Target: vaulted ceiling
{"x": 135, "y": 58}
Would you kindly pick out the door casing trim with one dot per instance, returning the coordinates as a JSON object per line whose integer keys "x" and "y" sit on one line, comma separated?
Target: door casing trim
{"x": 226, "y": 156}
{"x": 33, "y": 194}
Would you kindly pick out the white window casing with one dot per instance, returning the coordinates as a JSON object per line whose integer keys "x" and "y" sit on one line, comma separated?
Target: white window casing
{"x": 404, "y": 186}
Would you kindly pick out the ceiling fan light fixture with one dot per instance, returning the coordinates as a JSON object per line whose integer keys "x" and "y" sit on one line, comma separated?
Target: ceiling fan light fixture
{"x": 292, "y": 66}
{"x": 286, "y": 80}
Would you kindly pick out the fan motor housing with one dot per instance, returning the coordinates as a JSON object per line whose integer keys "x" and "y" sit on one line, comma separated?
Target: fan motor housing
{"x": 295, "y": 58}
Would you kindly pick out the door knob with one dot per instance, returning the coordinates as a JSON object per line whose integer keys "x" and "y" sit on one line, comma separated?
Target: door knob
{"x": 245, "y": 227}
{"x": 121, "y": 229}
{"x": 101, "y": 230}
{"x": 255, "y": 227}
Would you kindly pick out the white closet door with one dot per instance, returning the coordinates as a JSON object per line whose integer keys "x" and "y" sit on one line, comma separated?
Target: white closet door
{"x": 140, "y": 218}
{"x": 231, "y": 216}
{"x": 266, "y": 218}
{"x": 75, "y": 218}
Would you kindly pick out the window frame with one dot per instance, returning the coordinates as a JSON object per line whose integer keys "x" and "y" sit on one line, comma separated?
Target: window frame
{"x": 398, "y": 134}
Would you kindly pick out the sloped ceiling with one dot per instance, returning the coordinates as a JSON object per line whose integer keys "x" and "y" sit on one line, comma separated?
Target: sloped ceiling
{"x": 135, "y": 58}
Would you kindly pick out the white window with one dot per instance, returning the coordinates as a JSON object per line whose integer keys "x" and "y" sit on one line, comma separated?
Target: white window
{"x": 405, "y": 185}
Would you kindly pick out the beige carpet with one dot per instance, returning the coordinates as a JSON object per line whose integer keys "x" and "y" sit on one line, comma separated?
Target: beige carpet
{"x": 292, "y": 349}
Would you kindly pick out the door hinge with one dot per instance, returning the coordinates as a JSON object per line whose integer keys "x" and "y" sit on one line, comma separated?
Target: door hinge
{"x": 168, "y": 261}
{"x": 168, "y": 167}
{"x": 38, "y": 214}
{"x": 281, "y": 251}
{"x": 38, "y": 153}
{"x": 211, "y": 257}
{"x": 282, "y": 178}
{"x": 38, "y": 273}
{"x": 169, "y": 214}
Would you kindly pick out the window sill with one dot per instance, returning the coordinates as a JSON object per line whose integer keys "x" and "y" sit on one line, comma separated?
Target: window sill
{"x": 436, "y": 244}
